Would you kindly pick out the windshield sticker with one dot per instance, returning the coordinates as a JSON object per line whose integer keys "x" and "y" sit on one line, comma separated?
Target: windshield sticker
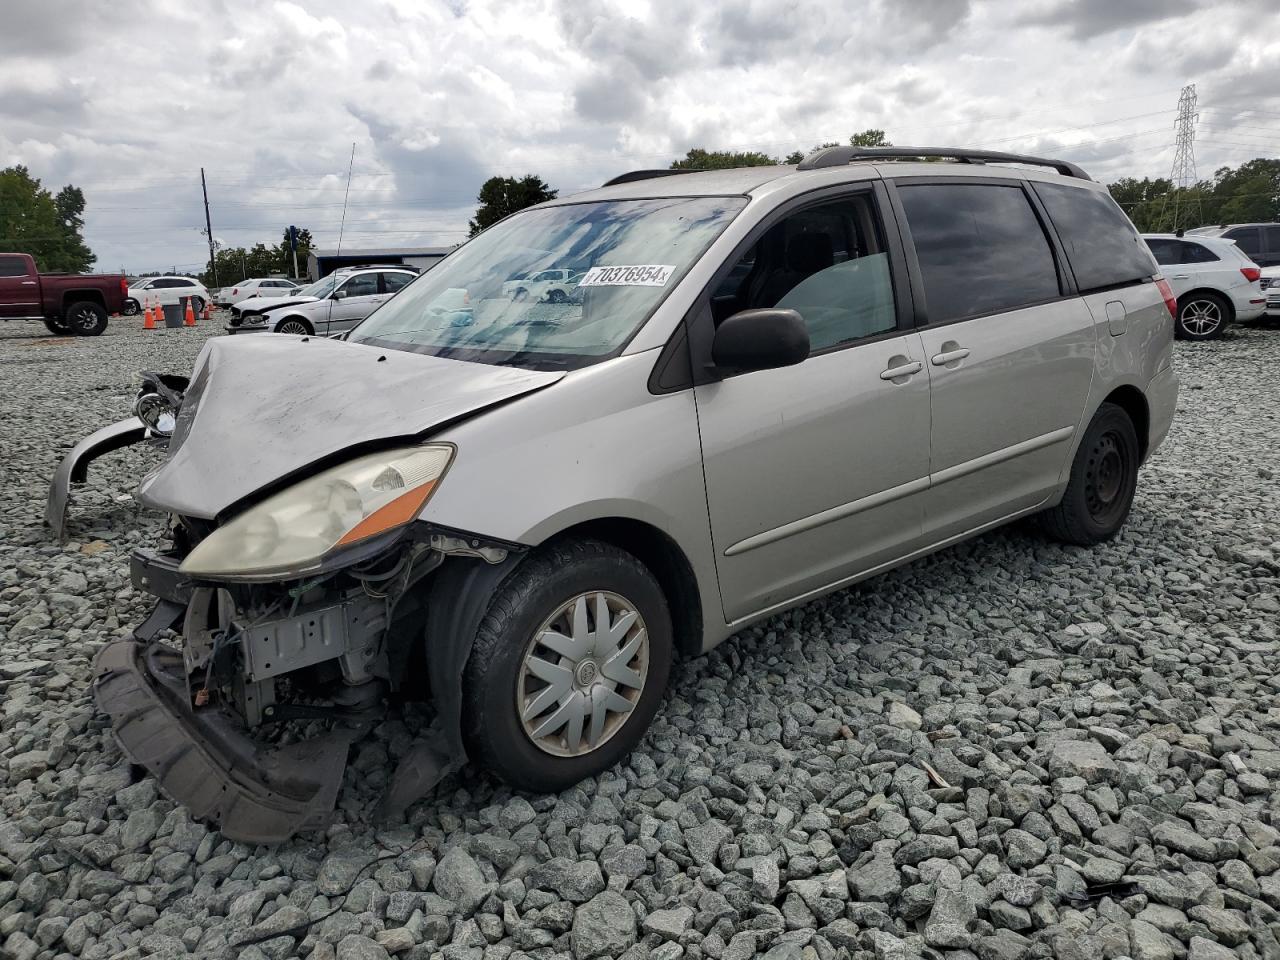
{"x": 650, "y": 275}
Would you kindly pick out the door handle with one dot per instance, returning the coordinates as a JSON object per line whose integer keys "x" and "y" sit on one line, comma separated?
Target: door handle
{"x": 901, "y": 370}
{"x": 952, "y": 352}
{"x": 1182, "y": 276}
{"x": 28, "y": 283}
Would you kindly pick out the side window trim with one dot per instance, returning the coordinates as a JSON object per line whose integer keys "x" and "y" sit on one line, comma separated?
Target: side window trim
{"x": 1066, "y": 280}
{"x": 698, "y": 327}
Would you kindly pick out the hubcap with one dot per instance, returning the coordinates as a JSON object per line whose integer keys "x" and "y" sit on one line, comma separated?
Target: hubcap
{"x": 1106, "y": 478}
{"x": 83, "y": 319}
{"x": 293, "y": 326}
{"x": 1201, "y": 317}
{"x": 582, "y": 674}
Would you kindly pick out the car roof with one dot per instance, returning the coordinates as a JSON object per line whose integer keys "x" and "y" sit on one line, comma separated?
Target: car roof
{"x": 785, "y": 178}
{"x": 1204, "y": 238}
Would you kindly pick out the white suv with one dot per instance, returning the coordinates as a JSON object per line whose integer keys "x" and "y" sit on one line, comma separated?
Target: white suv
{"x": 1214, "y": 280}
{"x": 165, "y": 290}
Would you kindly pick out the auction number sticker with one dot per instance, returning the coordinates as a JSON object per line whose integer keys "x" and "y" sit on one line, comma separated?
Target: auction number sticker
{"x": 645, "y": 275}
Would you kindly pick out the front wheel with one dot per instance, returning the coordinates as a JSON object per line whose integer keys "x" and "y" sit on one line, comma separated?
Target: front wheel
{"x": 568, "y": 666}
{"x": 294, "y": 325}
{"x": 57, "y": 326}
{"x": 1104, "y": 476}
{"x": 86, "y": 318}
{"x": 1202, "y": 316}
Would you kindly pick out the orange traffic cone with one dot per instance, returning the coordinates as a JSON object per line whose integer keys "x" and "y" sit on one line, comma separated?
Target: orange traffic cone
{"x": 148, "y": 318}
{"x": 189, "y": 320}
{"x": 208, "y": 311}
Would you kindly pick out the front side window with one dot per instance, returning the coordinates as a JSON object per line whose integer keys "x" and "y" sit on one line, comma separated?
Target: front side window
{"x": 826, "y": 262}
{"x": 980, "y": 247}
{"x": 631, "y": 253}
{"x": 365, "y": 285}
{"x": 1104, "y": 248}
{"x": 1167, "y": 252}
{"x": 13, "y": 267}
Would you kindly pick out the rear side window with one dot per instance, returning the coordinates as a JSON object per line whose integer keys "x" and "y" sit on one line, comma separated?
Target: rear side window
{"x": 1166, "y": 252}
{"x": 1104, "y": 248}
{"x": 1246, "y": 238}
{"x": 394, "y": 281}
{"x": 981, "y": 249}
{"x": 1273, "y": 239}
{"x": 13, "y": 267}
{"x": 1198, "y": 253}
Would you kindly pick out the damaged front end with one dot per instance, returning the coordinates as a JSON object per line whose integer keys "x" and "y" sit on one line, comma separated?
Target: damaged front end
{"x": 154, "y": 413}
{"x": 249, "y": 721}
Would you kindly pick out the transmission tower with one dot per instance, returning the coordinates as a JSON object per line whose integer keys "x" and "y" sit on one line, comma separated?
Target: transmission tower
{"x": 1184, "y": 161}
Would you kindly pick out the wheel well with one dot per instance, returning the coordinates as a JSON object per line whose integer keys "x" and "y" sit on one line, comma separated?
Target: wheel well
{"x": 79, "y": 296}
{"x": 1216, "y": 294}
{"x": 1131, "y": 401}
{"x": 666, "y": 561}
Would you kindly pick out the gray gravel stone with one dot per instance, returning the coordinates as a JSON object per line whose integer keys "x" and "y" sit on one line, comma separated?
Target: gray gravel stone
{"x": 458, "y": 878}
{"x": 604, "y": 926}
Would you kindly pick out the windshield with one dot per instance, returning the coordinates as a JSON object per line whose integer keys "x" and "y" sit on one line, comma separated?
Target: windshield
{"x": 320, "y": 289}
{"x": 554, "y": 288}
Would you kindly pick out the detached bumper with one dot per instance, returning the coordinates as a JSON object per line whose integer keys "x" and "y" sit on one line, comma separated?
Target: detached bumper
{"x": 75, "y": 465}
{"x": 204, "y": 758}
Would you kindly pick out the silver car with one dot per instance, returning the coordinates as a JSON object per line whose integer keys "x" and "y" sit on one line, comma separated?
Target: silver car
{"x": 774, "y": 382}
{"x": 332, "y": 305}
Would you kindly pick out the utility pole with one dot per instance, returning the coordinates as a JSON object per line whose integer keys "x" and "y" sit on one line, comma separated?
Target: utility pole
{"x": 208, "y": 226}
{"x": 1183, "y": 176}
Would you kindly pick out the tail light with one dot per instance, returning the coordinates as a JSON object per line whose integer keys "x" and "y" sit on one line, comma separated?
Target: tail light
{"x": 124, "y": 287}
{"x": 1251, "y": 273}
{"x": 234, "y": 291}
{"x": 1166, "y": 291}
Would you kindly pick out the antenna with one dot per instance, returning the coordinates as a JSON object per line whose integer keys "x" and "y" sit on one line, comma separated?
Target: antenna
{"x": 1183, "y": 175}
{"x": 343, "y": 225}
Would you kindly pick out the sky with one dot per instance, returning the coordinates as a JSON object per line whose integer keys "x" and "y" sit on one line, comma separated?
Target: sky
{"x": 129, "y": 99}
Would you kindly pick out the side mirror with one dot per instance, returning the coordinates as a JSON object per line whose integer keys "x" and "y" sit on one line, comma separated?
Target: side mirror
{"x": 760, "y": 340}
{"x": 339, "y": 294}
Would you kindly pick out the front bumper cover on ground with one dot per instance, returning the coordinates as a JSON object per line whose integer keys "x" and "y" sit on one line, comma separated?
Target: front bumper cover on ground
{"x": 204, "y": 759}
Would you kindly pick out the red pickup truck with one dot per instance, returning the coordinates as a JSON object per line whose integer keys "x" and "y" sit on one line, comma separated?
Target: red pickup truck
{"x": 66, "y": 302}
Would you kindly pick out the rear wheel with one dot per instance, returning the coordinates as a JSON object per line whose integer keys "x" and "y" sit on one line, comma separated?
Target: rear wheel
{"x": 86, "y": 318}
{"x": 568, "y": 667}
{"x": 296, "y": 326}
{"x": 130, "y": 308}
{"x": 1202, "y": 316}
{"x": 1104, "y": 476}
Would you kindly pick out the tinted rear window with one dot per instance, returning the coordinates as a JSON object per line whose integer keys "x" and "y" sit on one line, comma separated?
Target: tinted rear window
{"x": 1104, "y": 248}
{"x": 981, "y": 249}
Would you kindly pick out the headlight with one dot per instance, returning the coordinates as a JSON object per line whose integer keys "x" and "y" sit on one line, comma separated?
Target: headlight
{"x": 290, "y": 533}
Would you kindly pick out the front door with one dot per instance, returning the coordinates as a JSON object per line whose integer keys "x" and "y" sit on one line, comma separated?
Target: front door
{"x": 19, "y": 290}
{"x": 354, "y": 299}
{"x": 816, "y": 472}
{"x": 1009, "y": 350}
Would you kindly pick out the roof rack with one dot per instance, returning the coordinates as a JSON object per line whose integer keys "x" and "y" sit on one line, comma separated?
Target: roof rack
{"x": 838, "y": 156}
{"x": 633, "y": 175}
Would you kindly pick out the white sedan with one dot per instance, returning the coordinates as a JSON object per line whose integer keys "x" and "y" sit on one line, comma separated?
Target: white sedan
{"x": 1213, "y": 280}
{"x": 255, "y": 287}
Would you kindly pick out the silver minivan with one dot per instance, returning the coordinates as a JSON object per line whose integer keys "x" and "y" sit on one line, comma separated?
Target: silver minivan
{"x": 769, "y": 384}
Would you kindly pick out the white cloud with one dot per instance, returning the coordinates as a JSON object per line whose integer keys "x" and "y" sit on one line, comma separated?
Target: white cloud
{"x": 128, "y": 100}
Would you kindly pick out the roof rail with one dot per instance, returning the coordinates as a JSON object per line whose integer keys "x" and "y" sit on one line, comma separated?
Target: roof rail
{"x": 633, "y": 175}
{"x": 838, "y": 156}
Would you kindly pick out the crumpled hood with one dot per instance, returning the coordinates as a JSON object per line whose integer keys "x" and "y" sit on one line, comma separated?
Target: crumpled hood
{"x": 263, "y": 409}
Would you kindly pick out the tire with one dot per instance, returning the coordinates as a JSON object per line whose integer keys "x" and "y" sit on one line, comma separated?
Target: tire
{"x": 557, "y": 296}
{"x": 1104, "y": 476}
{"x": 86, "y": 318}
{"x": 497, "y": 677}
{"x": 130, "y": 308}
{"x": 293, "y": 325}
{"x": 197, "y": 305}
{"x": 1202, "y": 316}
{"x": 57, "y": 327}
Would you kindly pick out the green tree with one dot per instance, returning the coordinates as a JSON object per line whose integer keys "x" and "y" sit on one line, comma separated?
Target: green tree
{"x": 48, "y": 228}
{"x": 699, "y": 159}
{"x": 870, "y": 137}
{"x": 502, "y": 196}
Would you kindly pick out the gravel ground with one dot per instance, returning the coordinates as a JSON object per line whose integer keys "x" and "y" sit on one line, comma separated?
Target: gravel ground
{"x": 1011, "y": 749}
